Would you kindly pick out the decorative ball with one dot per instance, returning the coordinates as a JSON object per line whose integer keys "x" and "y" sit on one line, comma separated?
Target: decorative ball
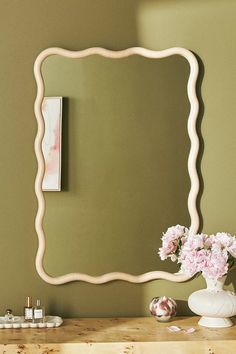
{"x": 163, "y": 308}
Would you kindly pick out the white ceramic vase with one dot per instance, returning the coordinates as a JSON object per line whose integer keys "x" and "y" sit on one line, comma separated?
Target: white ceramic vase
{"x": 214, "y": 304}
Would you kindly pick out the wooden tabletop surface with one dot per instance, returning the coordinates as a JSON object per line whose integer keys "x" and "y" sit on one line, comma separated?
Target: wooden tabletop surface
{"x": 116, "y": 331}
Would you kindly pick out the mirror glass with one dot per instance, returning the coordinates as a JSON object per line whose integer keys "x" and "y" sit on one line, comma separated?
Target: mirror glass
{"x": 124, "y": 162}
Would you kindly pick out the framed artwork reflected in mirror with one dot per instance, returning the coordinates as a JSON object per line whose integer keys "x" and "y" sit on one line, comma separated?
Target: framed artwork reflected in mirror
{"x": 51, "y": 144}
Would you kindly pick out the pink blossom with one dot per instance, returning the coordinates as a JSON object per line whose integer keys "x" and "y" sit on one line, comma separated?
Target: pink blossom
{"x": 212, "y": 262}
{"x": 195, "y": 241}
{"x": 224, "y": 239}
{"x": 193, "y": 261}
{"x": 170, "y": 241}
{"x": 227, "y": 241}
{"x": 188, "y": 262}
{"x": 216, "y": 265}
{"x": 209, "y": 241}
{"x": 212, "y": 255}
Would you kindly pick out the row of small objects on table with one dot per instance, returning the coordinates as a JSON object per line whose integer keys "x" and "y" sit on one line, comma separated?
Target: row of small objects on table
{"x": 11, "y": 321}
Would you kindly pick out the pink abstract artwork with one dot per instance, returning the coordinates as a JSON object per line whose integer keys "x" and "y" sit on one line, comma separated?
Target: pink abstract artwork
{"x": 51, "y": 144}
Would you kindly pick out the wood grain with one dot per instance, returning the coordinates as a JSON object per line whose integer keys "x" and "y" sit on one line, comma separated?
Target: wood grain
{"x": 119, "y": 336}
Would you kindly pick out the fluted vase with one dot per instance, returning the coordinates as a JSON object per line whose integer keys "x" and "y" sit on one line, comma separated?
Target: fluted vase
{"x": 215, "y": 304}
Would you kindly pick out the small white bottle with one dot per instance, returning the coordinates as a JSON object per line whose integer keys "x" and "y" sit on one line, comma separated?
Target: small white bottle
{"x": 9, "y": 316}
{"x": 39, "y": 313}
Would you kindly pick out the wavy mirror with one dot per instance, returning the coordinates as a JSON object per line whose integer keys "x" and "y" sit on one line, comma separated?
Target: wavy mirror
{"x": 129, "y": 149}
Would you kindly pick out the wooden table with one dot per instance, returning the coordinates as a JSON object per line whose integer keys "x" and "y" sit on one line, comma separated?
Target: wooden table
{"x": 119, "y": 335}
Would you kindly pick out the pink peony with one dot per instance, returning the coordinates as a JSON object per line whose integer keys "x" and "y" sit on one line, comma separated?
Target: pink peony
{"x": 216, "y": 264}
{"x": 224, "y": 239}
{"x": 212, "y": 255}
{"x": 171, "y": 240}
{"x": 195, "y": 241}
{"x": 193, "y": 261}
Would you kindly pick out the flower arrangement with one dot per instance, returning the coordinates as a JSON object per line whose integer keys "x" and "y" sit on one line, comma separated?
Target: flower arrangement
{"x": 212, "y": 255}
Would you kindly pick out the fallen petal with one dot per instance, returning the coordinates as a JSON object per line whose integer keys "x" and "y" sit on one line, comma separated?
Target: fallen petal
{"x": 174, "y": 329}
{"x": 189, "y": 330}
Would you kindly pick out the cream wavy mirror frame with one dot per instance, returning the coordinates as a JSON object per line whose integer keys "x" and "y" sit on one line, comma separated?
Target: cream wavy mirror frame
{"x": 192, "y": 170}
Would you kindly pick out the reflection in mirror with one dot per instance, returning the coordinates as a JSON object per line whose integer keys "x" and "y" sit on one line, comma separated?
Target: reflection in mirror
{"x": 125, "y": 149}
{"x": 51, "y": 144}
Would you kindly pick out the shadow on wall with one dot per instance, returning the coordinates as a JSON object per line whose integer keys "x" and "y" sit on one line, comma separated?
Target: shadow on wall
{"x": 65, "y": 157}
{"x": 231, "y": 278}
{"x": 183, "y": 309}
{"x": 201, "y": 141}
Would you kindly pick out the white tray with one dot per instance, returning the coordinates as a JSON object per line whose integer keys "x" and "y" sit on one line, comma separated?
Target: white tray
{"x": 18, "y": 322}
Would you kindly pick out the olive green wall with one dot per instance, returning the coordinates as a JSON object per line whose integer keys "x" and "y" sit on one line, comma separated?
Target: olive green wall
{"x": 29, "y": 26}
